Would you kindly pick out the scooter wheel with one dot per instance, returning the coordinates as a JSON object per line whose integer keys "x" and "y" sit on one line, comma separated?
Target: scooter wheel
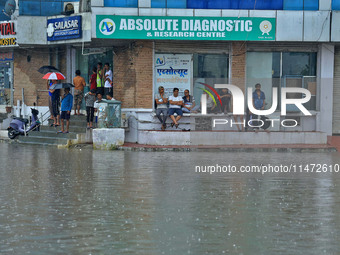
{"x": 11, "y": 133}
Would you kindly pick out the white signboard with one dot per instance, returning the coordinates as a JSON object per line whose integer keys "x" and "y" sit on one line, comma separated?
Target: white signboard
{"x": 173, "y": 71}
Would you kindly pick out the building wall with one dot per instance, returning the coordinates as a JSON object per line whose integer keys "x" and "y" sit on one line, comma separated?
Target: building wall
{"x": 133, "y": 69}
{"x": 238, "y": 64}
{"x": 26, "y": 76}
{"x": 26, "y": 73}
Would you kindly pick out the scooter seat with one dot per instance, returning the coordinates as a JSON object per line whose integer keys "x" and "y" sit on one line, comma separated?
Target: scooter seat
{"x": 21, "y": 119}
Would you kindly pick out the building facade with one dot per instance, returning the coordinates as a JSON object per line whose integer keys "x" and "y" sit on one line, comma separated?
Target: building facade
{"x": 189, "y": 44}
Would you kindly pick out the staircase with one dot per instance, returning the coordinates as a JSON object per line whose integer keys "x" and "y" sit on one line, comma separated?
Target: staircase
{"x": 49, "y": 135}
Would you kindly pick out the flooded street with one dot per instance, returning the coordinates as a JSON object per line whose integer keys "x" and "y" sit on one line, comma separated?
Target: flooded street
{"x": 58, "y": 201}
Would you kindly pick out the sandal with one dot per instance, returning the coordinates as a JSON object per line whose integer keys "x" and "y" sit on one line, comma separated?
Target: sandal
{"x": 172, "y": 124}
{"x": 176, "y": 125}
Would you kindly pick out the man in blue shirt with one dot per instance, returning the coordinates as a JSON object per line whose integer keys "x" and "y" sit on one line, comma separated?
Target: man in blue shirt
{"x": 259, "y": 101}
{"x": 66, "y": 107}
{"x": 259, "y": 98}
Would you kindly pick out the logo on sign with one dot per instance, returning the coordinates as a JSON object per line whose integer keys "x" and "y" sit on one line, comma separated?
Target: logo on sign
{"x": 107, "y": 26}
{"x": 265, "y": 27}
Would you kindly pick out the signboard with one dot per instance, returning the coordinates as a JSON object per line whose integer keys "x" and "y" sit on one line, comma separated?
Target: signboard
{"x": 8, "y": 56}
{"x": 64, "y": 28}
{"x": 185, "y": 28}
{"x": 172, "y": 71}
{"x": 8, "y": 34}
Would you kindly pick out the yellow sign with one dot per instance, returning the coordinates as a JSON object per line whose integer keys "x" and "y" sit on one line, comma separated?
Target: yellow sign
{"x": 8, "y": 41}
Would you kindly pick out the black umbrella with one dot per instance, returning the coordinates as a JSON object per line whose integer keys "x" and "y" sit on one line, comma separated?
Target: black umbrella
{"x": 62, "y": 86}
{"x": 47, "y": 69}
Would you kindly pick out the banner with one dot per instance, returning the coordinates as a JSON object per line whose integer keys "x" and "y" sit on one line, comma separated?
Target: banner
{"x": 172, "y": 71}
{"x": 185, "y": 28}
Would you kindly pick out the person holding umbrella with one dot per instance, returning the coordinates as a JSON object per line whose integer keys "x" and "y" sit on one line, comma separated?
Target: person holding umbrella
{"x": 66, "y": 107}
{"x": 45, "y": 70}
{"x": 55, "y": 98}
{"x": 54, "y": 92}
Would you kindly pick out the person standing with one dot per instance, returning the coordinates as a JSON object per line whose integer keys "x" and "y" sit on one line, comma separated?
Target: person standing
{"x": 108, "y": 79}
{"x": 90, "y": 98}
{"x": 79, "y": 84}
{"x": 162, "y": 108}
{"x": 100, "y": 87}
{"x": 93, "y": 79}
{"x": 259, "y": 102}
{"x": 66, "y": 108}
{"x": 55, "y": 98}
{"x": 48, "y": 85}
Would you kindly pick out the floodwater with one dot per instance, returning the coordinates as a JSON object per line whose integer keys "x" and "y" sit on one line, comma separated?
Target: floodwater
{"x": 57, "y": 201}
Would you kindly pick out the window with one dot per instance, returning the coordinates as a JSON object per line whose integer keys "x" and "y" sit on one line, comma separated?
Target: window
{"x": 238, "y": 4}
{"x": 119, "y": 3}
{"x": 210, "y": 69}
{"x": 335, "y": 4}
{"x": 308, "y": 5}
{"x": 41, "y": 7}
{"x": 283, "y": 69}
{"x": 168, "y": 4}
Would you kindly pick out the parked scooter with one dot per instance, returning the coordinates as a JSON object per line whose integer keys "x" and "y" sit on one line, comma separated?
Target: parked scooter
{"x": 18, "y": 125}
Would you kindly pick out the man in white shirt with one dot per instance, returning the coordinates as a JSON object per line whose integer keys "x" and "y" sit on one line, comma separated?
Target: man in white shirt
{"x": 108, "y": 78}
{"x": 176, "y": 103}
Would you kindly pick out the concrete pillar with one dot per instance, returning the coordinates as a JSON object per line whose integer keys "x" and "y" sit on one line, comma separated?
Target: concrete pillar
{"x": 325, "y": 89}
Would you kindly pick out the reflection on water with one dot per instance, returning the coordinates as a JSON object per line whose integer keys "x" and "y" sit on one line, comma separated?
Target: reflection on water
{"x": 97, "y": 202}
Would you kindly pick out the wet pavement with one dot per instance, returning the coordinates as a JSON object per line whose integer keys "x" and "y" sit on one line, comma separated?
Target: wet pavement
{"x": 83, "y": 201}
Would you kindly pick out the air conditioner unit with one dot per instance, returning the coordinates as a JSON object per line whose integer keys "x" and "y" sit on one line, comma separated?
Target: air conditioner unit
{"x": 71, "y": 7}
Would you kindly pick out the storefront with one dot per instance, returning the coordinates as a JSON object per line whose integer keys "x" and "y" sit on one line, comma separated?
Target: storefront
{"x": 8, "y": 41}
{"x": 196, "y": 53}
{"x": 187, "y": 52}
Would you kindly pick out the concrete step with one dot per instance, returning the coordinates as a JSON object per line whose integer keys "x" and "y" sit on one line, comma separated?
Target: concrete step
{"x": 52, "y": 134}
{"x": 42, "y": 140}
{"x": 73, "y": 123}
{"x": 73, "y": 129}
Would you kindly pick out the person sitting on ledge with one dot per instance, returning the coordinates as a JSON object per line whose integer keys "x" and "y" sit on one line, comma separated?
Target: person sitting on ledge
{"x": 176, "y": 103}
{"x": 161, "y": 100}
{"x": 189, "y": 103}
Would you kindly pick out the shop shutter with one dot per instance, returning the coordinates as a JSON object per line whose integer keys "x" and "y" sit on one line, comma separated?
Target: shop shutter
{"x": 336, "y": 92}
{"x": 191, "y": 47}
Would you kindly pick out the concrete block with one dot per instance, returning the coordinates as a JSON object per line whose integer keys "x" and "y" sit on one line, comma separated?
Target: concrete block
{"x": 4, "y": 134}
{"x": 289, "y": 26}
{"x": 335, "y": 29}
{"x": 163, "y": 138}
{"x": 262, "y": 13}
{"x": 108, "y": 138}
{"x": 152, "y": 12}
{"x": 207, "y": 13}
{"x": 234, "y": 13}
{"x": 180, "y": 12}
{"x": 316, "y": 26}
{"x": 144, "y": 3}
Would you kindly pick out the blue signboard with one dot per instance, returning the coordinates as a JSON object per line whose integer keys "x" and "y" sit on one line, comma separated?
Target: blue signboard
{"x": 64, "y": 28}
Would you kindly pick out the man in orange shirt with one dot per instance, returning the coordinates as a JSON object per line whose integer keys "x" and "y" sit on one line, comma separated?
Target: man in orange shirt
{"x": 79, "y": 84}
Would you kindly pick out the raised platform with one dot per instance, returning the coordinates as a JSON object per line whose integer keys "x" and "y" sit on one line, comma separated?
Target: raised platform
{"x": 222, "y": 138}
